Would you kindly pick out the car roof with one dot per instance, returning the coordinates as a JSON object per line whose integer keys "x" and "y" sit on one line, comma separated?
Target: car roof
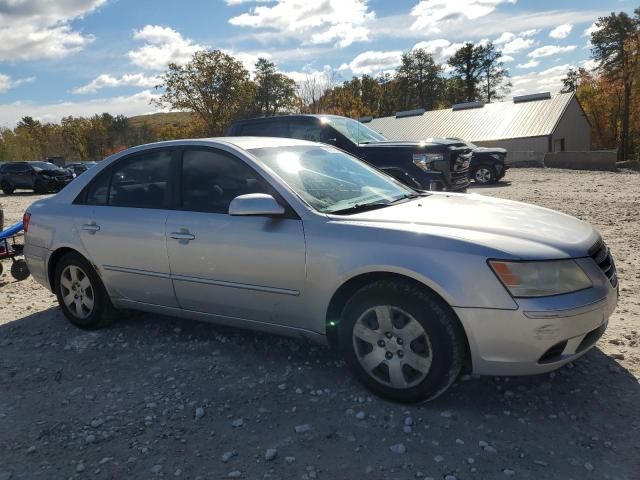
{"x": 293, "y": 115}
{"x": 244, "y": 143}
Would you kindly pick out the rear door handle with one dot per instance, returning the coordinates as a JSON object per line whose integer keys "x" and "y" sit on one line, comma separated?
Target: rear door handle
{"x": 91, "y": 227}
{"x": 183, "y": 235}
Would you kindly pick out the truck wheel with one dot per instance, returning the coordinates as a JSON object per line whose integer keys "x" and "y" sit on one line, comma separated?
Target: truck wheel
{"x": 7, "y": 188}
{"x": 401, "y": 341}
{"x": 20, "y": 270}
{"x": 484, "y": 174}
{"x": 81, "y": 295}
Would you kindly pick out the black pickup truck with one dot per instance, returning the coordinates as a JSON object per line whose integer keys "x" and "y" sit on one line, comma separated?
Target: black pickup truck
{"x": 488, "y": 164}
{"x": 436, "y": 164}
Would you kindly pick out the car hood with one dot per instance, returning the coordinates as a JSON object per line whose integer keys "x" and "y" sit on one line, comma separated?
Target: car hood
{"x": 503, "y": 227}
{"x": 501, "y": 151}
{"x": 408, "y": 144}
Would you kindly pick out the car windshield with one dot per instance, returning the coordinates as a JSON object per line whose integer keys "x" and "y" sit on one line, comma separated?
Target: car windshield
{"x": 354, "y": 130}
{"x": 332, "y": 181}
{"x": 44, "y": 166}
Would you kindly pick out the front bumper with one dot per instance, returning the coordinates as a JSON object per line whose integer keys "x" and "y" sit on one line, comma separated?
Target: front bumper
{"x": 57, "y": 184}
{"x": 542, "y": 334}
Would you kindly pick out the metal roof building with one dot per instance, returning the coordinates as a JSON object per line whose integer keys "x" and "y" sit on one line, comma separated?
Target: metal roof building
{"x": 532, "y": 123}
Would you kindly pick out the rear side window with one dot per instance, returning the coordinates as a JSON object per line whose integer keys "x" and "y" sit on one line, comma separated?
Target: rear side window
{"x": 269, "y": 128}
{"x": 141, "y": 181}
{"x": 138, "y": 181}
{"x": 210, "y": 180}
{"x": 307, "y": 129}
{"x": 98, "y": 190}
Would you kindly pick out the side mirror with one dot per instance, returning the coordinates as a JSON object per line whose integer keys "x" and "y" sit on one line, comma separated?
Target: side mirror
{"x": 255, "y": 204}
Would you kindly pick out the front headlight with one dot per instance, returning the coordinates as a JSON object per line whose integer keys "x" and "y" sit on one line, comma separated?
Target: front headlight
{"x": 540, "y": 278}
{"x": 424, "y": 160}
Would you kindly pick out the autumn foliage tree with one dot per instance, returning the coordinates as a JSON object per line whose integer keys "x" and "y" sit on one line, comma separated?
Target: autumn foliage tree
{"x": 213, "y": 85}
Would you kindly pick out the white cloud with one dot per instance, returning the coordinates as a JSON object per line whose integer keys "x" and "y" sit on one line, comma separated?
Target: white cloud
{"x": 109, "y": 81}
{"x": 590, "y": 64}
{"x": 342, "y": 22}
{"x": 549, "y": 80}
{"x": 529, "y": 64}
{"x": 430, "y": 15}
{"x": 506, "y": 58}
{"x": 137, "y": 104}
{"x": 32, "y": 29}
{"x": 511, "y": 43}
{"x": 549, "y": 50}
{"x": 6, "y": 82}
{"x": 589, "y": 31}
{"x": 373, "y": 62}
{"x": 561, "y": 31}
{"x": 163, "y": 46}
{"x": 440, "y": 48}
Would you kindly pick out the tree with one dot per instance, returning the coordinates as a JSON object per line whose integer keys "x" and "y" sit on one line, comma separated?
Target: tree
{"x": 495, "y": 76}
{"x": 275, "y": 92}
{"x": 469, "y": 63}
{"x": 571, "y": 82}
{"x": 213, "y": 85}
{"x": 419, "y": 80}
{"x": 616, "y": 47}
{"x": 315, "y": 87}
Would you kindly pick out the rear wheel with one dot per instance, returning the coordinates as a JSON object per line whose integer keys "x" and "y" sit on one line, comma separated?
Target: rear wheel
{"x": 81, "y": 295}
{"x": 20, "y": 270}
{"x": 401, "y": 341}
{"x": 7, "y": 188}
{"x": 484, "y": 174}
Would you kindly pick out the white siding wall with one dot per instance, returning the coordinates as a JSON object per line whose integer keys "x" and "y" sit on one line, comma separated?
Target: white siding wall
{"x": 574, "y": 128}
{"x": 533, "y": 144}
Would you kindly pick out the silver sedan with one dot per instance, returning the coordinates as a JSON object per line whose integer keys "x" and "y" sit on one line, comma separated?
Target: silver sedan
{"x": 303, "y": 239}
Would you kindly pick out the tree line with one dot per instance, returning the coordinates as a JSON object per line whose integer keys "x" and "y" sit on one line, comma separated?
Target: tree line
{"x": 217, "y": 89}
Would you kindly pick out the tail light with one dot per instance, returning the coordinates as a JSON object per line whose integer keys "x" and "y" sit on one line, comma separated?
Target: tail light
{"x": 26, "y": 218}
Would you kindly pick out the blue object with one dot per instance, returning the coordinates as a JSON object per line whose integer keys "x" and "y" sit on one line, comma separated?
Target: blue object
{"x": 12, "y": 231}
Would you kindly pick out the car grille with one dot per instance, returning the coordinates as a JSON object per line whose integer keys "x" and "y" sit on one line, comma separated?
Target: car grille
{"x": 602, "y": 256}
{"x": 460, "y": 172}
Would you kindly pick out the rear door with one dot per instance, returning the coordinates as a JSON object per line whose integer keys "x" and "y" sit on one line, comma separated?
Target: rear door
{"x": 250, "y": 267}
{"x": 122, "y": 226}
{"x": 21, "y": 175}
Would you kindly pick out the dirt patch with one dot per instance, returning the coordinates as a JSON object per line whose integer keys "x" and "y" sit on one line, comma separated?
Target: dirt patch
{"x": 157, "y": 397}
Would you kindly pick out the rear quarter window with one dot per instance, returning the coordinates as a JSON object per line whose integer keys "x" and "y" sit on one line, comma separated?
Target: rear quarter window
{"x": 275, "y": 128}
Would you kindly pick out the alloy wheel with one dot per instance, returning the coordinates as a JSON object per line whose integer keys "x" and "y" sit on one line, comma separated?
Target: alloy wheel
{"x": 483, "y": 175}
{"x": 392, "y": 346}
{"x": 77, "y": 291}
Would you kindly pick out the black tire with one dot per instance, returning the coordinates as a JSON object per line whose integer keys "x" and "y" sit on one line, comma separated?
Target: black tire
{"x": 443, "y": 330}
{"x": 40, "y": 188}
{"x": 7, "y": 188}
{"x": 102, "y": 313}
{"x": 485, "y": 174}
{"x": 20, "y": 270}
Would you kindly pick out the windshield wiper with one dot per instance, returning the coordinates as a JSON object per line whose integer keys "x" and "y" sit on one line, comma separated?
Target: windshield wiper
{"x": 409, "y": 196}
{"x": 360, "y": 207}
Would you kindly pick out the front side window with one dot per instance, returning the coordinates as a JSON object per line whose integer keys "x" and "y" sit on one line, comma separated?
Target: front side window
{"x": 354, "y": 130}
{"x": 141, "y": 181}
{"x": 212, "y": 179}
{"x": 330, "y": 180}
{"x": 307, "y": 129}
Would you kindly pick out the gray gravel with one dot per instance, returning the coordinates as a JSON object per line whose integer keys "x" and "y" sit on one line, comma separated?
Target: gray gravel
{"x": 157, "y": 397}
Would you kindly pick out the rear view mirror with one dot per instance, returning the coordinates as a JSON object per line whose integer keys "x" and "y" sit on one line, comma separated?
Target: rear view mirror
{"x": 255, "y": 204}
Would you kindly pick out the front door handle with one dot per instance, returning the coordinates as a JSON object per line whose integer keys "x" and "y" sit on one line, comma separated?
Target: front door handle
{"x": 182, "y": 235}
{"x": 91, "y": 227}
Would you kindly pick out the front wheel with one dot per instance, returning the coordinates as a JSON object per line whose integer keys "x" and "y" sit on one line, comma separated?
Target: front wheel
{"x": 485, "y": 174}
{"x": 401, "y": 341}
{"x": 81, "y": 295}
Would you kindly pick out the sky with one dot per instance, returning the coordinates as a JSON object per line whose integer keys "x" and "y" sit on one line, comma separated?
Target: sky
{"x": 82, "y": 57}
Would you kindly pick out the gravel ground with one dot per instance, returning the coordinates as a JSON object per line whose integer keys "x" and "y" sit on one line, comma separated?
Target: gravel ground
{"x": 156, "y": 397}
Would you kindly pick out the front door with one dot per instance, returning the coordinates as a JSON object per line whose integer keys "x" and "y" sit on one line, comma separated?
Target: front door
{"x": 121, "y": 224}
{"x": 250, "y": 268}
